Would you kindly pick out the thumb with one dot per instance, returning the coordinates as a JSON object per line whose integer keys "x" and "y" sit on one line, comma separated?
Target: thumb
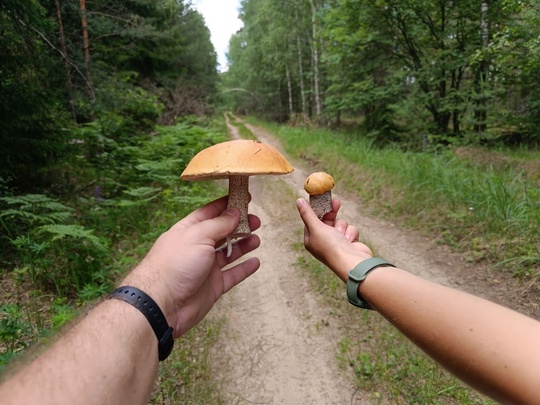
{"x": 310, "y": 219}
{"x": 220, "y": 227}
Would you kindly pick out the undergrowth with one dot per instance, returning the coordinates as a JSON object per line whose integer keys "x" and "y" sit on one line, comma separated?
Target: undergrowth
{"x": 66, "y": 246}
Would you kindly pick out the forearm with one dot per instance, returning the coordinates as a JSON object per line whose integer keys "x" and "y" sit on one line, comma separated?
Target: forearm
{"x": 110, "y": 357}
{"x": 490, "y": 347}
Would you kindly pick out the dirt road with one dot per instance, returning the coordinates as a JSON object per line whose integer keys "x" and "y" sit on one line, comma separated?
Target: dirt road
{"x": 272, "y": 350}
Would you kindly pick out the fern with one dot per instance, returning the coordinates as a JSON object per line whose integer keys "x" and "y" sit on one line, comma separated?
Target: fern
{"x": 141, "y": 196}
{"x": 146, "y": 193}
{"x": 73, "y": 231}
{"x": 35, "y": 201}
{"x": 31, "y": 217}
{"x": 35, "y": 209}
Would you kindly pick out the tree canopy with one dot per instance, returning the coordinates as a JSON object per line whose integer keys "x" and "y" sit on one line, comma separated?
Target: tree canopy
{"x": 405, "y": 69}
{"x": 64, "y": 63}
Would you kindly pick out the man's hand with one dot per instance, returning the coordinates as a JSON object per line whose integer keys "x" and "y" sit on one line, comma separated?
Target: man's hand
{"x": 187, "y": 264}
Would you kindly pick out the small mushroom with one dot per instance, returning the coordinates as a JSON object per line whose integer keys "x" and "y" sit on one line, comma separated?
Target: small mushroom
{"x": 237, "y": 160}
{"x": 319, "y": 185}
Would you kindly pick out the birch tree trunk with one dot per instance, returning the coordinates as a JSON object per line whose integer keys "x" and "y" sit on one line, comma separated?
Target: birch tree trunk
{"x": 289, "y": 88}
{"x": 482, "y": 76}
{"x": 315, "y": 61}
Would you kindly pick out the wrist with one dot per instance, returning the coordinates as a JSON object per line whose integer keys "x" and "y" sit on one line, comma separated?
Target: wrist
{"x": 155, "y": 288}
{"x": 347, "y": 261}
{"x": 153, "y": 314}
{"x": 375, "y": 281}
{"x": 358, "y": 275}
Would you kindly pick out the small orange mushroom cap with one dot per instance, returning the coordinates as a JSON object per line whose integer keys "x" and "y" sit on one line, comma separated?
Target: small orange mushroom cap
{"x": 318, "y": 183}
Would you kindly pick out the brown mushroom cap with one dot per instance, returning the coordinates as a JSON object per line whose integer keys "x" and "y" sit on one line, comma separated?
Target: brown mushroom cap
{"x": 318, "y": 183}
{"x": 236, "y": 158}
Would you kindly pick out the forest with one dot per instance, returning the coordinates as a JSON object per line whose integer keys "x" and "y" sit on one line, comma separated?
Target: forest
{"x": 102, "y": 104}
{"x": 452, "y": 70}
{"x": 405, "y": 71}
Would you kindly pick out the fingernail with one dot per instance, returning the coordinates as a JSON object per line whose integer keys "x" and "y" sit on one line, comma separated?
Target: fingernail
{"x": 230, "y": 211}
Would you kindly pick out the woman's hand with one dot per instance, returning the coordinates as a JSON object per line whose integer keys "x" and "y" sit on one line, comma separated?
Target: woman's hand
{"x": 332, "y": 241}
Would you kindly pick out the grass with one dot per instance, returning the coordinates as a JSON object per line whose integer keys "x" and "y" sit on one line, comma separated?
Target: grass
{"x": 489, "y": 212}
{"x": 242, "y": 129}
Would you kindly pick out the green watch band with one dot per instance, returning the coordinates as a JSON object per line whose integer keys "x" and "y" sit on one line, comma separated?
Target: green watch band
{"x": 359, "y": 274}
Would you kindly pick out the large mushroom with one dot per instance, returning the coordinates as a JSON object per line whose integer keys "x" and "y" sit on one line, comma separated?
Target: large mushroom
{"x": 237, "y": 160}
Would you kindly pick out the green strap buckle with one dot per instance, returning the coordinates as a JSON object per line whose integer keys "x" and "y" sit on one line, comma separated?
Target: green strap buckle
{"x": 359, "y": 274}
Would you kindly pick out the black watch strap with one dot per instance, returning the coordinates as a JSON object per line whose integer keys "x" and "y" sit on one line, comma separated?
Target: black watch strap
{"x": 144, "y": 303}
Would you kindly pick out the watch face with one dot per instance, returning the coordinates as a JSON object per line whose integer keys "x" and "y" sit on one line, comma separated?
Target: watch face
{"x": 166, "y": 344}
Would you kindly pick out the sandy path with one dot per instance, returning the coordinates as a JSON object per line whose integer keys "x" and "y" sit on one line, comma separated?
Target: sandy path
{"x": 272, "y": 350}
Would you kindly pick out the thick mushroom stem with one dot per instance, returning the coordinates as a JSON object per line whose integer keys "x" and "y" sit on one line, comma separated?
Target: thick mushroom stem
{"x": 239, "y": 198}
{"x": 321, "y": 204}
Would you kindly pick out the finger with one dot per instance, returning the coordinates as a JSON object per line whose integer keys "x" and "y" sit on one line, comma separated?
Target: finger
{"x": 341, "y": 225}
{"x": 208, "y": 211}
{"x": 352, "y": 233}
{"x": 331, "y": 216}
{"x": 239, "y": 249}
{"x": 254, "y": 224}
{"x": 217, "y": 228}
{"x": 239, "y": 273}
{"x": 310, "y": 219}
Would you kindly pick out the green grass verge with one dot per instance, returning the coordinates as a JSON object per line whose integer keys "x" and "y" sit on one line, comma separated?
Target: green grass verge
{"x": 488, "y": 211}
{"x": 242, "y": 129}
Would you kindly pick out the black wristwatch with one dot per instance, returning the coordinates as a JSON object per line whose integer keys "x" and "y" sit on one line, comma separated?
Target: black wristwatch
{"x": 144, "y": 303}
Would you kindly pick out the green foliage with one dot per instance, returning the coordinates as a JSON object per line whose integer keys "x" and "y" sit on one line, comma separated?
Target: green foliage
{"x": 31, "y": 119}
{"x": 276, "y": 38}
{"x": 12, "y": 327}
{"x": 488, "y": 211}
{"x": 64, "y": 247}
{"x": 514, "y": 50}
{"x": 63, "y": 312}
{"x": 458, "y": 72}
{"x": 139, "y": 50}
{"x": 39, "y": 235}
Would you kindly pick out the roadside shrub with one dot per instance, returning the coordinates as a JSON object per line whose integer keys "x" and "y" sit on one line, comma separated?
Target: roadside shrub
{"x": 58, "y": 255}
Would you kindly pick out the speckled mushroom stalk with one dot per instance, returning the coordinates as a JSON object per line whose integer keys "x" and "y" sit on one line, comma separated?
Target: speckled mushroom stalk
{"x": 321, "y": 204}
{"x": 239, "y": 198}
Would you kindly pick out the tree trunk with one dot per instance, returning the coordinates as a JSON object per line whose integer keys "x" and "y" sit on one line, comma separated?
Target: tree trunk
{"x": 480, "y": 112}
{"x": 301, "y": 74}
{"x": 315, "y": 61}
{"x": 86, "y": 47}
{"x": 63, "y": 47}
{"x": 301, "y": 70}
{"x": 289, "y": 89}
